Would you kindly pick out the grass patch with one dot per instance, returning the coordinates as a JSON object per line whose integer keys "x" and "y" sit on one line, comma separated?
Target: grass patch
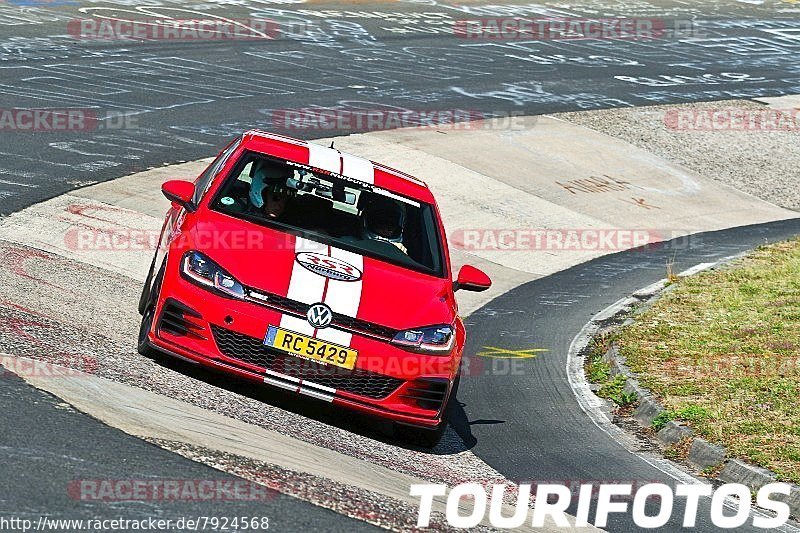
{"x": 712, "y": 471}
{"x": 672, "y": 277}
{"x": 722, "y": 351}
{"x": 661, "y": 420}
{"x": 679, "y": 451}
{"x": 613, "y": 390}
{"x": 687, "y": 413}
{"x": 599, "y": 371}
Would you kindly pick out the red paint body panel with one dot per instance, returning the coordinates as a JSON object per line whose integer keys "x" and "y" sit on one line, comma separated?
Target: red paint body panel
{"x": 264, "y": 259}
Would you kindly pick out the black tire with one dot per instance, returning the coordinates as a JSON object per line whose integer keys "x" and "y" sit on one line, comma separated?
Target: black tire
{"x": 145, "y": 296}
{"x": 143, "y": 345}
{"x": 148, "y": 314}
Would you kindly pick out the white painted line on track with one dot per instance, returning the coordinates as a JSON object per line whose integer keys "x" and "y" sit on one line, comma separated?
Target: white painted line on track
{"x": 18, "y": 184}
{"x": 695, "y": 269}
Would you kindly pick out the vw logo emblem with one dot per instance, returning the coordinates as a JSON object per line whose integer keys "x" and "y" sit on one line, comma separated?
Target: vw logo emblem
{"x": 319, "y": 316}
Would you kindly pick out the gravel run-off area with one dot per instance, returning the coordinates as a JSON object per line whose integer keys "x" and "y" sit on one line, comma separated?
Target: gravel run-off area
{"x": 765, "y": 164}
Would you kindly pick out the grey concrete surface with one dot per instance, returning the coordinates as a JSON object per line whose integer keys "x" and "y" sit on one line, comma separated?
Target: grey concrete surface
{"x": 673, "y": 432}
{"x": 704, "y": 454}
{"x": 766, "y": 155}
{"x": 42, "y": 473}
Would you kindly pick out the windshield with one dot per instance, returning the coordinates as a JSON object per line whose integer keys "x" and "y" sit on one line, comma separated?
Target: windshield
{"x": 333, "y": 209}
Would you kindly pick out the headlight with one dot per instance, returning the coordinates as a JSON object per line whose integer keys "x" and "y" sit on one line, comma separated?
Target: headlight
{"x": 433, "y": 339}
{"x": 204, "y": 271}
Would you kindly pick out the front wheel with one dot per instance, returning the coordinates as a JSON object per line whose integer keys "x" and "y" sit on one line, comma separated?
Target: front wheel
{"x": 143, "y": 345}
{"x": 148, "y": 313}
{"x": 144, "y": 297}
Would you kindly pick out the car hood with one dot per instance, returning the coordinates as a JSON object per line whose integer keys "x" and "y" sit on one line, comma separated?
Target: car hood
{"x": 311, "y": 272}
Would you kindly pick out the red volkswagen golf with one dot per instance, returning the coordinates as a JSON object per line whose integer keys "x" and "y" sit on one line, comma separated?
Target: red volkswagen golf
{"x": 315, "y": 271}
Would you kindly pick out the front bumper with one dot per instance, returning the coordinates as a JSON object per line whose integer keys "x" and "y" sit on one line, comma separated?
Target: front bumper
{"x": 412, "y": 394}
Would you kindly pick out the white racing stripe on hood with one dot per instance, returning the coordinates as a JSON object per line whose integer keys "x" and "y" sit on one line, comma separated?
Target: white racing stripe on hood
{"x": 304, "y": 286}
{"x": 324, "y": 158}
{"x": 343, "y": 297}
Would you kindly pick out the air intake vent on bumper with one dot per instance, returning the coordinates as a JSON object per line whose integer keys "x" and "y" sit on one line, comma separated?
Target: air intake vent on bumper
{"x": 428, "y": 393}
{"x": 176, "y": 319}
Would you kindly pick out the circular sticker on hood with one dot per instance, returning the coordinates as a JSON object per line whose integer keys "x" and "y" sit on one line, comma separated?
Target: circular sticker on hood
{"x": 328, "y": 266}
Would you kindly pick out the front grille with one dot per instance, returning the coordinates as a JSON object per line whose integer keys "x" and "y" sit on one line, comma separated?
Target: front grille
{"x": 363, "y": 326}
{"x": 342, "y": 321}
{"x": 252, "y": 350}
{"x": 286, "y": 304}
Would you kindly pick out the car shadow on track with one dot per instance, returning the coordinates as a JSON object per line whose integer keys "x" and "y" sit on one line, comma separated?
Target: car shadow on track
{"x": 462, "y": 426}
{"x": 371, "y": 427}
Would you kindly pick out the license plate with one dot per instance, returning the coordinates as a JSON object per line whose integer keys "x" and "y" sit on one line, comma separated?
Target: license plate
{"x": 310, "y": 348}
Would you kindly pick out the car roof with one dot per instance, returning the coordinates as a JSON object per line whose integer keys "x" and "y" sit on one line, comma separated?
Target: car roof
{"x": 338, "y": 163}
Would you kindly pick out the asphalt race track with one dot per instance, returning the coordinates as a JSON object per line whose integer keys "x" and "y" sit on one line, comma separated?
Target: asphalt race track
{"x": 551, "y": 439}
{"x": 159, "y": 102}
{"x": 162, "y": 102}
{"x": 48, "y": 446}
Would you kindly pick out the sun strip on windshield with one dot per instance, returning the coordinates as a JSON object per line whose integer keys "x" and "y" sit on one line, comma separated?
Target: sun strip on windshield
{"x": 358, "y": 183}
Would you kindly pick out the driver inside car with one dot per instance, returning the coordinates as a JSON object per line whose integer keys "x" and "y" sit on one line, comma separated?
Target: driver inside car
{"x": 383, "y": 220}
{"x": 268, "y": 190}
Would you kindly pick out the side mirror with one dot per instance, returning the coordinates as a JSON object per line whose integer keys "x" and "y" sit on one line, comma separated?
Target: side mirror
{"x": 180, "y": 193}
{"x": 471, "y": 279}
